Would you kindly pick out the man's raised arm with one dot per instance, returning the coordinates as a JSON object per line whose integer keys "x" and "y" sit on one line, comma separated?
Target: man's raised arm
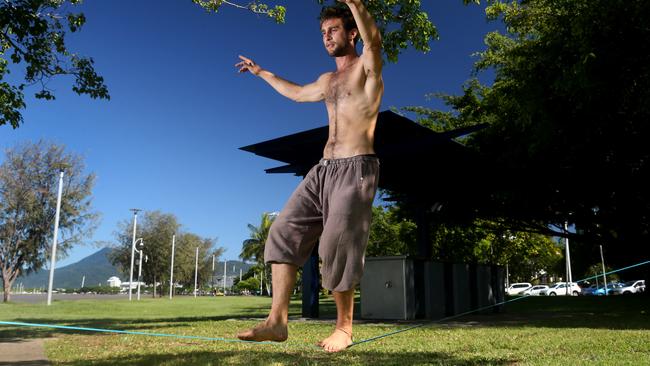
{"x": 369, "y": 34}
{"x": 313, "y": 92}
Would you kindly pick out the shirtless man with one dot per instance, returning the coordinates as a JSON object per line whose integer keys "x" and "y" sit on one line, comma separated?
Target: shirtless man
{"x": 334, "y": 200}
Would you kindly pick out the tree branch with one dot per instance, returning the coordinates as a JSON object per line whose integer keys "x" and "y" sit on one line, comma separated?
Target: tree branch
{"x": 14, "y": 45}
{"x": 251, "y": 6}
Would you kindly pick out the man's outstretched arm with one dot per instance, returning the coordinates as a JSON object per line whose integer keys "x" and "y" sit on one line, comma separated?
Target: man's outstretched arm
{"x": 313, "y": 92}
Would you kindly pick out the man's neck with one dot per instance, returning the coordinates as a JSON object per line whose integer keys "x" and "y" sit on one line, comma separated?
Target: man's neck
{"x": 344, "y": 62}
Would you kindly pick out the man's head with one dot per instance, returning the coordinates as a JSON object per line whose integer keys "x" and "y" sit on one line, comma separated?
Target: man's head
{"x": 339, "y": 30}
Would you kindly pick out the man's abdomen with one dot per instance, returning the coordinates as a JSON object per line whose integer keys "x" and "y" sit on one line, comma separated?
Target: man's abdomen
{"x": 349, "y": 139}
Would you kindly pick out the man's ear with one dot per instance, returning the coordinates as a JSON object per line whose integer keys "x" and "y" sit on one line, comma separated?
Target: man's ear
{"x": 354, "y": 32}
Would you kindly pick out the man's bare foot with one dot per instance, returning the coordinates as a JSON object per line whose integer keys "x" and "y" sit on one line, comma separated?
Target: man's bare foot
{"x": 339, "y": 340}
{"x": 265, "y": 332}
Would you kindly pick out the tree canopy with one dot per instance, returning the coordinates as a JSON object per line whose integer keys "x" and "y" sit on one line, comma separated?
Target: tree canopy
{"x": 156, "y": 230}
{"x": 568, "y": 114}
{"x": 33, "y": 37}
{"x": 29, "y": 180}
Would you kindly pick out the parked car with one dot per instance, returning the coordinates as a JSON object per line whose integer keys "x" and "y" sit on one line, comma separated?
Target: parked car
{"x": 630, "y": 287}
{"x": 535, "y": 290}
{"x": 589, "y": 291}
{"x": 610, "y": 287}
{"x": 517, "y": 288}
{"x": 560, "y": 289}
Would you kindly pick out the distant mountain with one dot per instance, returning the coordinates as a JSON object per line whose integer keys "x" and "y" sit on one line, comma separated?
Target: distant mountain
{"x": 98, "y": 269}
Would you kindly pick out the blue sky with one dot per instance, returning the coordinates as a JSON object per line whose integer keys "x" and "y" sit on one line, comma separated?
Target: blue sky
{"x": 168, "y": 139}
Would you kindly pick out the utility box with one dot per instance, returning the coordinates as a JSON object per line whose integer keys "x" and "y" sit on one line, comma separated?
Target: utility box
{"x": 388, "y": 288}
{"x": 406, "y": 288}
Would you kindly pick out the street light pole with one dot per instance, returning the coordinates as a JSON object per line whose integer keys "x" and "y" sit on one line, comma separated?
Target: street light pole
{"x": 171, "y": 274}
{"x": 139, "y": 273}
{"x": 602, "y": 260}
{"x": 54, "y": 240}
{"x": 196, "y": 271}
{"x": 224, "y": 276}
{"x": 569, "y": 277}
{"x": 135, "y": 222}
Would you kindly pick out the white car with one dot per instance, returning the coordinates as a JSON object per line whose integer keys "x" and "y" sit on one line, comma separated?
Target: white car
{"x": 561, "y": 289}
{"x": 535, "y": 290}
{"x": 630, "y": 287}
{"x": 518, "y": 288}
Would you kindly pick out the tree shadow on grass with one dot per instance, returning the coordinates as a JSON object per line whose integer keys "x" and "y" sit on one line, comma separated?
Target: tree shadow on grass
{"x": 317, "y": 357}
{"x": 612, "y": 312}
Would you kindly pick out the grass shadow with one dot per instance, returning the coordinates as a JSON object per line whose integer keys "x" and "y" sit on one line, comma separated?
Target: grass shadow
{"x": 611, "y": 312}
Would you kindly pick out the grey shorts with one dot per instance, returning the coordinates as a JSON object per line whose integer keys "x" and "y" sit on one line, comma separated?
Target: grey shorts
{"x": 333, "y": 202}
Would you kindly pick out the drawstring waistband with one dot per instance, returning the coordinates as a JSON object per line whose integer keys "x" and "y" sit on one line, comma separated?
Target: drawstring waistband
{"x": 326, "y": 162}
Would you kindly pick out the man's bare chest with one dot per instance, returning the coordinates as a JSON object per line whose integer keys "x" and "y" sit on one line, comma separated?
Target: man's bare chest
{"x": 342, "y": 86}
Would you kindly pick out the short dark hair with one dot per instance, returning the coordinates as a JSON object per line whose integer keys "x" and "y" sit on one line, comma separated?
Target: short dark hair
{"x": 340, "y": 12}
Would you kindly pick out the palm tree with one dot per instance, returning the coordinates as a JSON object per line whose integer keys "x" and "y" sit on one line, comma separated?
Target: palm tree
{"x": 253, "y": 248}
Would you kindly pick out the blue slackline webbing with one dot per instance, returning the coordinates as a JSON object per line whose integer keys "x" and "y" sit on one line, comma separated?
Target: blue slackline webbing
{"x": 220, "y": 339}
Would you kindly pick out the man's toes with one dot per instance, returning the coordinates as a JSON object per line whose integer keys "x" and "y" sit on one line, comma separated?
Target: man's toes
{"x": 333, "y": 348}
{"x": 245, "y": 335}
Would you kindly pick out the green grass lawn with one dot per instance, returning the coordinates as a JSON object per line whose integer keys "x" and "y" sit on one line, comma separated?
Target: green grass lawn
{"x": 534, "y": 331}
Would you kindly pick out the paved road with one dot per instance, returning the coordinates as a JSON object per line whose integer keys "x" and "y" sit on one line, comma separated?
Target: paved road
{"x": 42, "y": 298}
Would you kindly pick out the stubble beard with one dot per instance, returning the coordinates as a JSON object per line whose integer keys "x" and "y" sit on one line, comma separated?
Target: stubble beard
{"x": 338, "y": 51}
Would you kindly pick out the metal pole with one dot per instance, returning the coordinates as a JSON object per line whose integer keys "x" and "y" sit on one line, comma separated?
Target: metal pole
{"x": 171, "y": 274}
{"x": 602, "y": 260}
{"x": 83, "y": 281}
{"x": 239, "y": 274}
{"x": 54, "y": 239}
{"x": 212, "y": 273}
{"x": 224, "y": 277}
{"x": 568, "y": 260}
{"x": 139, "y": 273}
{"x": 196, "y": 270}
{"x": 135, "y": 222}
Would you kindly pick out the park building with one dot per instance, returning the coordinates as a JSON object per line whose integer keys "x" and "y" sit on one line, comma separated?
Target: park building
{"x": 124, "y": 286}
{"x": 114, "y": 282}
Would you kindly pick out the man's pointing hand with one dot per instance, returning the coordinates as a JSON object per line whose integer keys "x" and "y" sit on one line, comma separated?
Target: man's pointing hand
{"x": 248, "y": 65}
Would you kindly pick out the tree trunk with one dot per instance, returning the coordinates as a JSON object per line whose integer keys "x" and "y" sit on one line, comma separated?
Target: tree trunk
{"x": 154, "y": 287}
{"x": 6, "y": 286}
